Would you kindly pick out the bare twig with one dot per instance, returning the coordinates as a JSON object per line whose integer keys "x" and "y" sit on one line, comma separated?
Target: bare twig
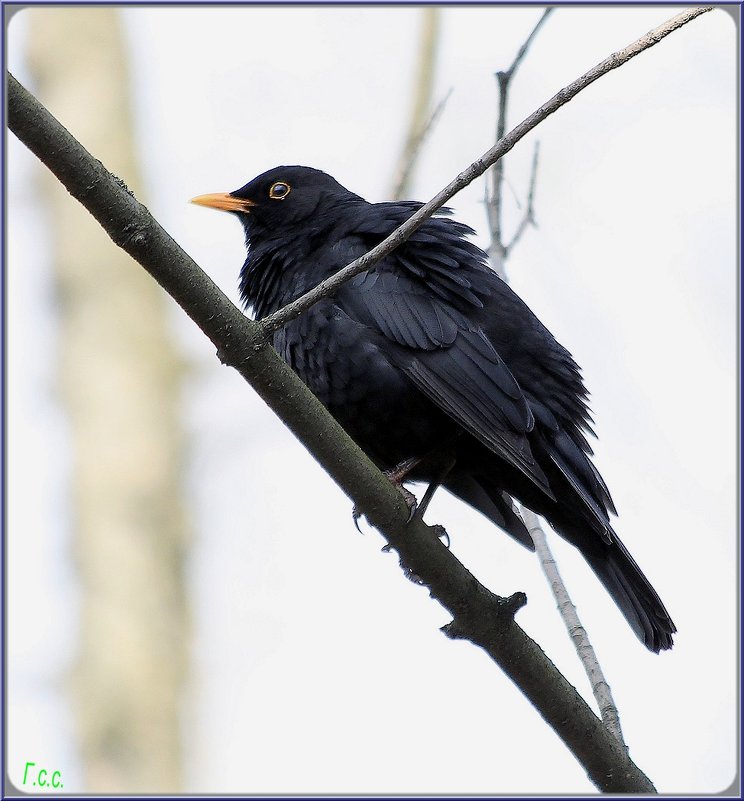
{"x": 527, "y": 42}
{"x": 478, "y": 615}
{"x": 498, "y": 254}
{"x": 495, "y": 206}
{"x": 476, "y": 169}
{"x": 600, "y": 688}
{"x": 528, "y": 218}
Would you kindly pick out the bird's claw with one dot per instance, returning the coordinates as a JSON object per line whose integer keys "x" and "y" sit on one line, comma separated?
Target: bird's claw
{"x": 396, "y": 476}
{"x": 356, "y": 513}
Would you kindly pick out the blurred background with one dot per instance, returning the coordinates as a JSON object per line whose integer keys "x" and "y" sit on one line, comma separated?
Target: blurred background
{"x": 190, "y": 608}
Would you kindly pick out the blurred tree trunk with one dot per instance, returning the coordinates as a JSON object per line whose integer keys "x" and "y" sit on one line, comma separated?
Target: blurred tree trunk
{"x": 421, "y": 111}
{"x": 119, "y": 378}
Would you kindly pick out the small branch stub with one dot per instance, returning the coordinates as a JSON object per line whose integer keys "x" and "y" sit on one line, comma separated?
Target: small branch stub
{"x": 501, "y": 610}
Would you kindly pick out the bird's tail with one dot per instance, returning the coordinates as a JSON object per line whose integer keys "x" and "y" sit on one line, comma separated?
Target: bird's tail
{"x": 634, "y": 595}
{"x": 604, "y": 551}
{"x": 581, "y": 515}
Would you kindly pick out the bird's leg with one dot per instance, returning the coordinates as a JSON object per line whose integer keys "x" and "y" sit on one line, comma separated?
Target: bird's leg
{"x": 444, "y": 469}
{"x": 445, "y": 461}
{"x": 399, "y": 473}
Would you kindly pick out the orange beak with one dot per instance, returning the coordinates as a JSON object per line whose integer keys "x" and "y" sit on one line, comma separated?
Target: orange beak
{"x": 224, "y": 202}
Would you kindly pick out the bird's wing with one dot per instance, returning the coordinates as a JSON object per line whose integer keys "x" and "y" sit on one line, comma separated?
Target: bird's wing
{"x": 427, "y": 333}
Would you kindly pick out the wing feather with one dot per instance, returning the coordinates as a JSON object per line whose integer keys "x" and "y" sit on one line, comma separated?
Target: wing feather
{"x": 479, "y": 405}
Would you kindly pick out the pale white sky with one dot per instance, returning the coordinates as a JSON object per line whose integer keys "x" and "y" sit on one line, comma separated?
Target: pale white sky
{"x": 317, "y": 666}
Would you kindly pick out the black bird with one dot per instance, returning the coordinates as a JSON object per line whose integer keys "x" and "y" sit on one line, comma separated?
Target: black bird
{"x": 431, "y": 361}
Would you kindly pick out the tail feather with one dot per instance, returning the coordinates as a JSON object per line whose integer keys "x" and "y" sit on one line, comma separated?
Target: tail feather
{"x": 634, "y": 596}
{"x": 584, "y": 527}
{"x": 604, "y": 551}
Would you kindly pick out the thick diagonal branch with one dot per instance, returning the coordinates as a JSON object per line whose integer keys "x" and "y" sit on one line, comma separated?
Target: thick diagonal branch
{"x": 478, "y": 615}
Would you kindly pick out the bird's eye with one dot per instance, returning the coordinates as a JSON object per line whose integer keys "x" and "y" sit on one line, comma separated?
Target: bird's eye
{"x": 279, "y": 190}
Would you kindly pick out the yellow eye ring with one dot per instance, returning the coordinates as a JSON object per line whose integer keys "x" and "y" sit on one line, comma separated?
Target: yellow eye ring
{"x": 279, "y": 190}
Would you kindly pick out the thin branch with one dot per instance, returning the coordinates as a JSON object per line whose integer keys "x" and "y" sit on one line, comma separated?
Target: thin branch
{"x": 476, "y": 169}
{"x": 600, "y": 688}
{"x": 478, "y": 615}
{"x": 498, "y": 254}
{"x": 527, "y": 42}
{"x": 528, "y": 218}
{"x": 497, "y": 177}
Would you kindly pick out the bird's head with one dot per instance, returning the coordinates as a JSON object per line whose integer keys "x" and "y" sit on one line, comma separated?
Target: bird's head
{"x": 280, "y": 199}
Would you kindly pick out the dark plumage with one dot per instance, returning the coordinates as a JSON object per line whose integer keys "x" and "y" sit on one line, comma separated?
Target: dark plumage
{"x": 430, "y": 355}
